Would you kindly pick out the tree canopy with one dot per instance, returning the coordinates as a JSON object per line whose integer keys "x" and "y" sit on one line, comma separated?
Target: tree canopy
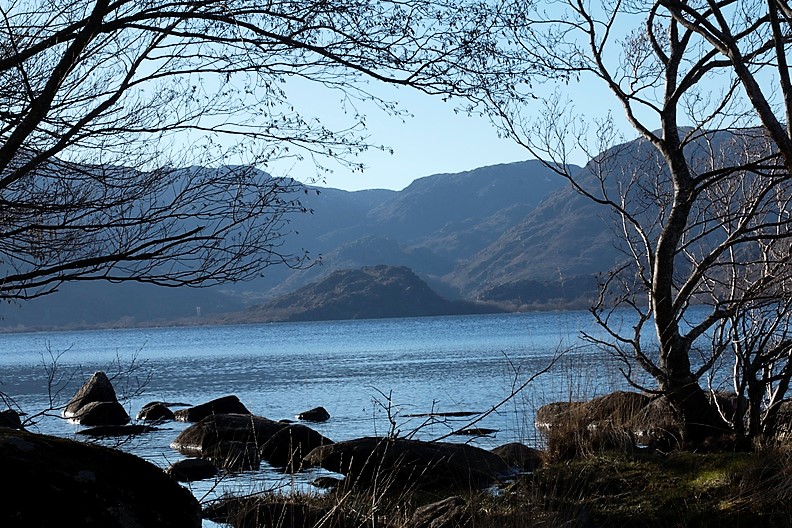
{"x": 134, "y": 134}
{"x": 703, "y": 208}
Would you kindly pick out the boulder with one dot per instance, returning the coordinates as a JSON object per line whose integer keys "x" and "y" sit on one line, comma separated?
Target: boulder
{"x": 225, "y": 405}
{"x": 10, "y": 419}
{"x": 409, "y": 463}
{"x": 783, "y": 428}
{"x": 155, "y": 412}
{"x": 287, "y": 447}
{"x": 520, "y": 457}
{"x": 234, "y": 455}
{"x": 97, "y": 389}
{"x": 101, "y": 413}
{"x": 317, "y": 414}
{"x": 60, "y": 482}
{"x": 117, "y": 430}
{"x": 198, "y": 439}
{"x": 191, "y": 469}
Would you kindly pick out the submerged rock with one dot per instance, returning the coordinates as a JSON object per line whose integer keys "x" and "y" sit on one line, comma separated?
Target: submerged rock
{"x": 156, "y": 412}
{"x": 317, "y": 414}
{"x": 225, "y": 405}
{"x": 60, "y": 482}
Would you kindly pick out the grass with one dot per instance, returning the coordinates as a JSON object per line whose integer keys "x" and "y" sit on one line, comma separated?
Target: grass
{"x": 611, "y": 489}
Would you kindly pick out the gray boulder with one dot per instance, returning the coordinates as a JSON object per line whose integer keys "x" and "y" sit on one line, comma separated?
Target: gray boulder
{"x": 60, "y": 482}
{"x": 97, "y": 389}
{"x": 225, "y": 405}
{"x": 288, "y": 446}
{"x": 101, "y": 413}
{"x": 199, "y": 439}
{"x": 234, "y": 455}
{"x": 155, "y": 412}
{"x": 317, "y": 414}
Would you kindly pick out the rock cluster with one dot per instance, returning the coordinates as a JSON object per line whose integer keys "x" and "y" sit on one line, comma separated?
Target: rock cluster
{"x": 117, "y": 489}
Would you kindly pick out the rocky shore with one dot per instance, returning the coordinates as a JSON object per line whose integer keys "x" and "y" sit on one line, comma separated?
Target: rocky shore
{"x": 608, "y": 462}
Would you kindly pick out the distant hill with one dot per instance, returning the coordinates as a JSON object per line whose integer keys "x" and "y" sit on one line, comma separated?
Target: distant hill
{"x": 433, "y": 226}
{"x": 366, "y": 293}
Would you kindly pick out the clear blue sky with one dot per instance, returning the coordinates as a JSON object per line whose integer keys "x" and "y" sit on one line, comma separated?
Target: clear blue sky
{"x": 434, "y": 140}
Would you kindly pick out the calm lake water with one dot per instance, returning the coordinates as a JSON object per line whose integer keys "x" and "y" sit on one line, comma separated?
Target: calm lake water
{"x": 360, "y": 371}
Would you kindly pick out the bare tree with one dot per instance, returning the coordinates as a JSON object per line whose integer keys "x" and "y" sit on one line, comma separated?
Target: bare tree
{"x": 700, "y": 200}
{"x": 120, "y": 121}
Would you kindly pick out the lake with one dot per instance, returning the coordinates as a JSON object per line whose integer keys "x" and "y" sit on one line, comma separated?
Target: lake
{"x": 369, "y": 374}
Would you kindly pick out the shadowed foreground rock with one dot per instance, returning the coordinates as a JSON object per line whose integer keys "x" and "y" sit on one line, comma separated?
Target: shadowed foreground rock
{"x": 520, "y": 457}
{"x": 59, "y": 483}
{"x": 10, "y": 418}
{"x": 401, "y": 462}
{"x": 192, "y": 469}
{"x": 447, "y": 513}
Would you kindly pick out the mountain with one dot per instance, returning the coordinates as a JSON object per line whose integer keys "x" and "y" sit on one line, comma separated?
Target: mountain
{"x": 366, "y": 293}
{"x": 432, "y": 226}
{"x": 516, "y": 233}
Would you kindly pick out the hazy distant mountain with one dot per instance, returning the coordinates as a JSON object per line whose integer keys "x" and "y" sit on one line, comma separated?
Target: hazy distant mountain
{"x": 366, "y": 293}
{"x": 432, "y": 226}
{"x": 478, "y": 234}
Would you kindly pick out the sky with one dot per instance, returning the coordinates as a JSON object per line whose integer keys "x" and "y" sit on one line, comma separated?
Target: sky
{"x": 434, "y": 139}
